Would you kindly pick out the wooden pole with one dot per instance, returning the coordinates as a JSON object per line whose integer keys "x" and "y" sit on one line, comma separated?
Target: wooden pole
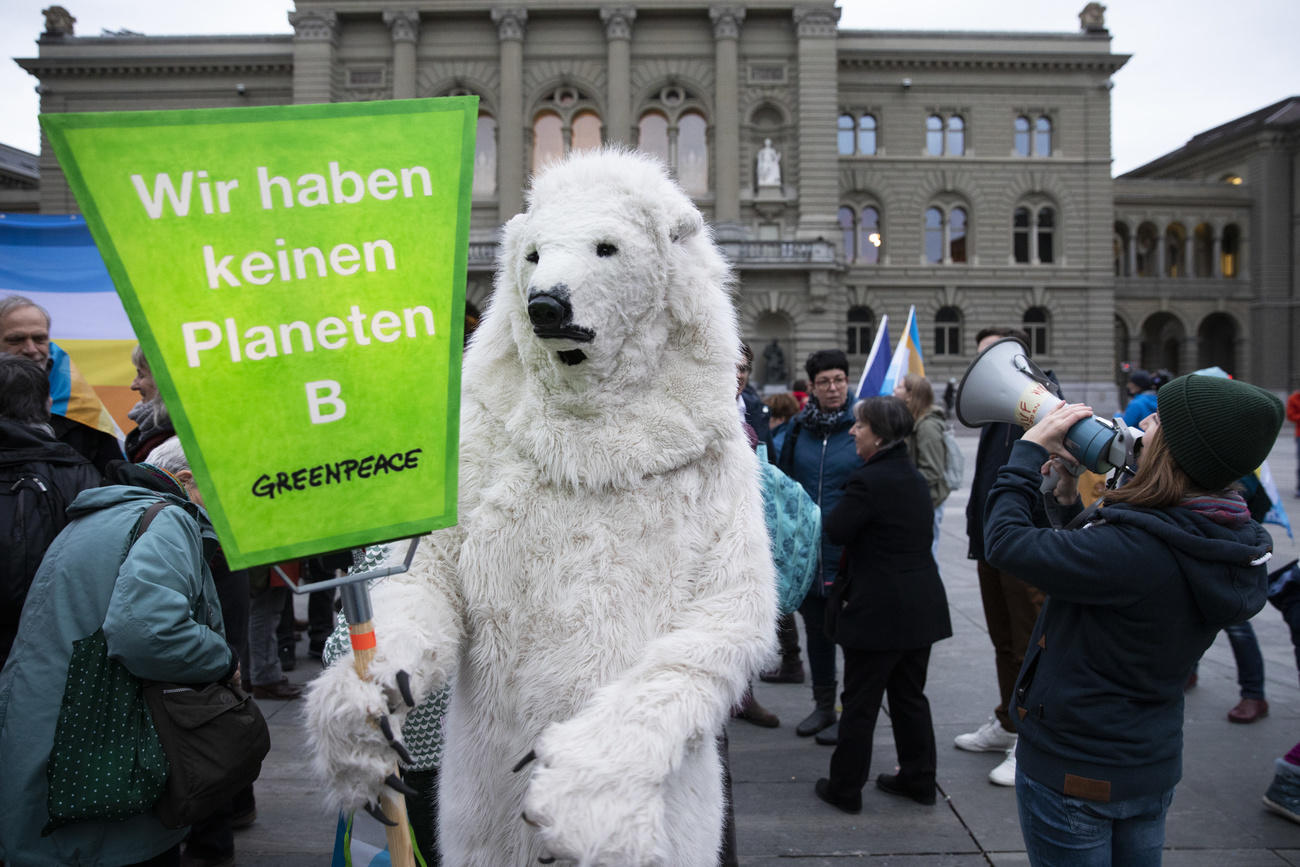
{"x": 392, "y": 803}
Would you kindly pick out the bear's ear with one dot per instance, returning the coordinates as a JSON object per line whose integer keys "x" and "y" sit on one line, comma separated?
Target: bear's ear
{"x": 511, "y": 234}
{"x": 685, "y": 225}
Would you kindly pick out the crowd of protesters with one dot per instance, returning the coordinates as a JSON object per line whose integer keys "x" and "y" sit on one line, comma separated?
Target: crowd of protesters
{"x": 1092, "y": 735}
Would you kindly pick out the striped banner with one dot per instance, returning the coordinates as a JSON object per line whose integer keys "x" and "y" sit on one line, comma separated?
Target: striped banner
{"x": 52, "y": 260}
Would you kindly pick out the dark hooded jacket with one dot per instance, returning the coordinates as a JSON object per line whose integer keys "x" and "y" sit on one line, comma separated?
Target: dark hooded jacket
{"x": 1134, "y": 599}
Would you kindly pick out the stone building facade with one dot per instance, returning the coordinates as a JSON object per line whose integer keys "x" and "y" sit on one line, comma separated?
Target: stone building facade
{"x": 1204, "y": 253}
{"x": 967, "y": 174}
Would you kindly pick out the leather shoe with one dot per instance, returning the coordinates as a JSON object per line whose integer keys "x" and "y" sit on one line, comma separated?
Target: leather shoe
{"x": 786, "y": 672}
{"x": 752, "y": 712}
{"x": 282, "y": 691}
{"x": 829, "y": 736}
{"x": 847, "y": 803}
{"x": 891, "y": 784}
{"x": 1248, "y": 710}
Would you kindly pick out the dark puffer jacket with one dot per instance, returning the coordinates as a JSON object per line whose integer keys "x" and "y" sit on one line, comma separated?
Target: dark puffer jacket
{"x": 1134, "y": 599}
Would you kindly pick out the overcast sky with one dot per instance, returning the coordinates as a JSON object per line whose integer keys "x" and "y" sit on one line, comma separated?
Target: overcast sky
{"x": 1196, "y": 63}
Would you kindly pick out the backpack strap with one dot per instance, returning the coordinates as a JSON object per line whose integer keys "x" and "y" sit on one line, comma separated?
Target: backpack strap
{"x": 147, "y": 518}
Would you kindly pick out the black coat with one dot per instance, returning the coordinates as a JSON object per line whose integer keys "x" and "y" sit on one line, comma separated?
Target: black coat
{"x": 891, "y": 596}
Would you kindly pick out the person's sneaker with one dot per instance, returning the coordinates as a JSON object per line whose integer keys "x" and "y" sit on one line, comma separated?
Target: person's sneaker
{"x": 921, "y": 794}
{"x": 1283, "y": 795}
{"x": 988, "y": 738}
{"x": 1005, "y": 773}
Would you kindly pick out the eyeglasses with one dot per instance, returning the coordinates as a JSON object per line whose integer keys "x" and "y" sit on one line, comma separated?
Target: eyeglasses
{"x": 836, "y": 382}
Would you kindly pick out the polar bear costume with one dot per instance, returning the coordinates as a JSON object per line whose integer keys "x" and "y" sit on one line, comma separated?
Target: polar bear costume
{"x": 608, "y": 590}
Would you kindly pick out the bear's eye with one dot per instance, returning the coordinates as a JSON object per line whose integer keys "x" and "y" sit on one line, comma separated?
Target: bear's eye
{"x": 533, "y": 257}
{"x": 605, "y": 249}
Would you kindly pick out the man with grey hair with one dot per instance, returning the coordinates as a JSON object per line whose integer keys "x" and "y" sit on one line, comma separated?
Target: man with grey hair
{"x": 39, "y": 478}
{"x": 25, "y": 331}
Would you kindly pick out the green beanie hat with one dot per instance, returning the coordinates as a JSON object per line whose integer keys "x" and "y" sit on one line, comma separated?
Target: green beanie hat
{"x": 1218, "y": 429}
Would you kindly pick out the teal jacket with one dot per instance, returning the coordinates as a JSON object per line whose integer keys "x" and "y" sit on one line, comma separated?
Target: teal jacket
{"x": 159, "y": 611}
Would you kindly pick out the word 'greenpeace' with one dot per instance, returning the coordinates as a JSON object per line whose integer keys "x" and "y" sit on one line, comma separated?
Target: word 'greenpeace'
{"x": 334, "y": 473}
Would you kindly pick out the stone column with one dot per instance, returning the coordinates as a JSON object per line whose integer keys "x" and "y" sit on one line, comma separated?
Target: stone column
{"x": 1131, "y": 252}
{"x": 510, "y": 21}
{"x": 1189, "y": 255}
{"x": 618, "y": 37}
{"x": 1161, "y": 242}
{"x": 1216, "y": 254}
{"x": 818, "y": 163}
{"x": 726, "y": 119}
{"x": 315, "y": 36}
{"x": 404, "y": 24}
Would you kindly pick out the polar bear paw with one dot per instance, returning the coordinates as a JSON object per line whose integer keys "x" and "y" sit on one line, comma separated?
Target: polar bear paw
{"x": 592, "y": 810}
{"x": 354, "y": 731}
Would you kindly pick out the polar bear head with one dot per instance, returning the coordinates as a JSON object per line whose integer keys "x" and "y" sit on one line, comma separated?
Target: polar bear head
{"x": 611, "y": 310}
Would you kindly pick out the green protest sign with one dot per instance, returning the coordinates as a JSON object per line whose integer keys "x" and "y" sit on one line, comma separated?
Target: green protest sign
{"x": 296, "y": 276}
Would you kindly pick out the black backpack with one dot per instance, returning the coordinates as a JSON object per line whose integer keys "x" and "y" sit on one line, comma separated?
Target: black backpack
{"x": 32, "y": 512}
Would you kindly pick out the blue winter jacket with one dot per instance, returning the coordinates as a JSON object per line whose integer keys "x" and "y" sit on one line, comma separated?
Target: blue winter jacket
{"x": 161, "y": 618}
{"x": 823, "y": 466}
{"x": 1141, "y": 406}
{"x": 1134, "y": 599}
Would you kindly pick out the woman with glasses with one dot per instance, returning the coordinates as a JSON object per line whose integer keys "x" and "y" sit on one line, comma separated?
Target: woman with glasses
{"x": 819, "y": 453}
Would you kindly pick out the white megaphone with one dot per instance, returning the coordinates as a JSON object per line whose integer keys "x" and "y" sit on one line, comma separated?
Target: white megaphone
{"x": 1003, "y": 385}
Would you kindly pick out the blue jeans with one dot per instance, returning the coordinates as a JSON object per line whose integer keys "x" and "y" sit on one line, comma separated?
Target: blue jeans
{"x": 1061, "y": 831}
{"x": 1250, "y": 661}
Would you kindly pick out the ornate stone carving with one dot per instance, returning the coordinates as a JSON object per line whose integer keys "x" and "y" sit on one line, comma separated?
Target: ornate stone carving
{"x": 1093, "y": 18}
{"x": 510, "y": 21}
{"x": 726, "y": 21}
{"x": 404, "y": 24}
{"x": 816, "y": 22}
{"x": 315, "y": 25}
{"x": 618, "y": 21}
{"x": 58, "y": 21}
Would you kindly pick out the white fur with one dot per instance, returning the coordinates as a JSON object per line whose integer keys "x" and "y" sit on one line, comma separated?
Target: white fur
{"x": 608, "y": 590}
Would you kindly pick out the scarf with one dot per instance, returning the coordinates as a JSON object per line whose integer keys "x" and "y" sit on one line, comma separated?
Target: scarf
{"x": 1228, "y": 508}
{"x": 820, "y": 422}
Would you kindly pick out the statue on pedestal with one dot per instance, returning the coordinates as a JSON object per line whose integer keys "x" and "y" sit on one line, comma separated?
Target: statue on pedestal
{"x": 774, "y": 371}
{"x": 769, "y": 165}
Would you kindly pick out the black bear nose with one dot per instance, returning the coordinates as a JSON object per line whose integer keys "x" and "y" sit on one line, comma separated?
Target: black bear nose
{"x": 547, "y": 311}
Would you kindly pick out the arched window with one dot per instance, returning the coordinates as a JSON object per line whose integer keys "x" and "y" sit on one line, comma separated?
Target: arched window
{"x": 565, "y": 121}
{"x": 548, "y": 139}
{"x": 862, "y": 330}
{"x": 693, "y": 153}
{"x": 1046, "y": 236}
{"x": 485, "y": 157}
{"x": 956, "y": 145}
{"x": 957, "y": 235}
{"x": 844, "y": 135}
{"x": 1035, "y": 322}
{"x": 1203, "y": 251}
{"x": 1020, "y": 236}
{"x": 934, "y": 236}
{"x": 1147, "y": 238}
{"x": 1175, "y": 250}
{"x": 1120, "y": 252}
{"x": 586, "y": 131}
{"x": 947, "y": 331}
{"x": 867, "y": 135}
{"x": 869, "y": 237}
{"x": 946, "y": 233}
{"x": 1043, "y": 136}
{"x": 673, "y": 127}
{"x": 652, "y": 135}
{"x": 934, "y": 135}
{"x": 848, "y": 233}
{"x": 1230, "y": 251}
{"x": 1021, "y": 137}
{"x": 1033, "y": 233}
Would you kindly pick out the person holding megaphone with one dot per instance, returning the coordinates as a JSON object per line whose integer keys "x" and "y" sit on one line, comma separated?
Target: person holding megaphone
{"x": 1135, "y": 596}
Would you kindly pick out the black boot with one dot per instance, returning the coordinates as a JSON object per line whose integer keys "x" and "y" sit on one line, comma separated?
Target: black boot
{"x": 790, "y": 670}
{"x": 823, "y": 716}
{"x": 829, "y": 736}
